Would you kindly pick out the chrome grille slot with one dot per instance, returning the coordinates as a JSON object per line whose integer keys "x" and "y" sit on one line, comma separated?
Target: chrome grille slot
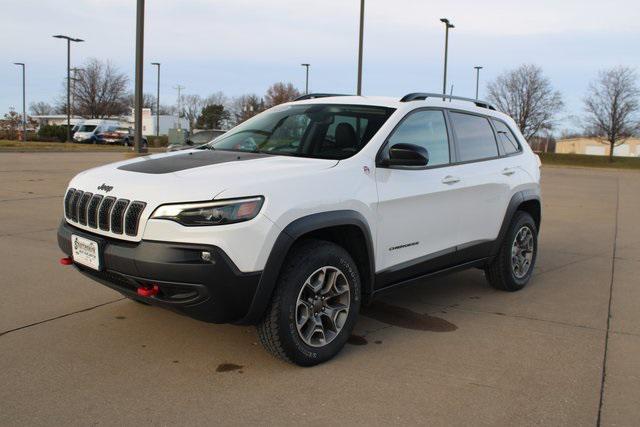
{"x": 104, "y": 215}
{"x": 92, "y": 211}
{"x": 132, "y": 218}
{"x": 117, "y": 215}
{"x": 75, "y": 201}
{"x": 67, "y": 202}
{"x": 82, "y": 208}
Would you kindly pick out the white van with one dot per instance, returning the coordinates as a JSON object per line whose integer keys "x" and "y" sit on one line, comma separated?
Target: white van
{"x": 90, "y": 128}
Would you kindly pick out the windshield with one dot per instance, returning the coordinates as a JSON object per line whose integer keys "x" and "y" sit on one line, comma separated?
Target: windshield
{"x": 202, "y": 137}
{"x": 87, "y": 128}
{"x": 325, "y": 131}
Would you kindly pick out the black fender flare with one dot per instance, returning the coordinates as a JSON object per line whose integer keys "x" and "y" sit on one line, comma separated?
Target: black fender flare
{"x": 285, "y": 241}
{"x": 516, "y": 200}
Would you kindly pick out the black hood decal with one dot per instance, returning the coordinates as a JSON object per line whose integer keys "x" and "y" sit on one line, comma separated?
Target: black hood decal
{"x": 189, "y": 160}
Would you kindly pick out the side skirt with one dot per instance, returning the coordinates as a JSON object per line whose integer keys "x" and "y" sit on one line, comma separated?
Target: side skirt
{"x": 443, "y": 272}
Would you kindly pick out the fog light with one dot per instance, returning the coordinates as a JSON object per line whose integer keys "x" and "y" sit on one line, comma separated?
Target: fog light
{"x": 206, "y": 256}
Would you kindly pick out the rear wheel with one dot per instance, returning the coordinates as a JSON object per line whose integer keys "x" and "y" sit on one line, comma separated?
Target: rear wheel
{"x": 512, "y": 268}
{"x": 315, "y": 305}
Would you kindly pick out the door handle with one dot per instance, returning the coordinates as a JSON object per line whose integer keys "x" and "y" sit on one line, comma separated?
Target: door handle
{"x": 450, "y": 180}
{"x": 508, "y": 171}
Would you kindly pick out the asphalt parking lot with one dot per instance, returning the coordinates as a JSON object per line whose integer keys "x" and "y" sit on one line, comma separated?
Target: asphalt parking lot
{"x": 453, "y": 351}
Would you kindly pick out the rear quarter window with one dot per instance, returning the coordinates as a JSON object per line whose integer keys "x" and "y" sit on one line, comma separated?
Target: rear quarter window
{"x": 507, "y": 141}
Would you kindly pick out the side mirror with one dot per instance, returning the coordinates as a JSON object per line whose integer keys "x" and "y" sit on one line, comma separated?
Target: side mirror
{"x": 407, "y": 155}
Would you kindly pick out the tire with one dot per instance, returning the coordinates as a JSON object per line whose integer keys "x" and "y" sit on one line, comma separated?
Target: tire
{"x": 501, "y": 272}
{"x": 293, "y": 301}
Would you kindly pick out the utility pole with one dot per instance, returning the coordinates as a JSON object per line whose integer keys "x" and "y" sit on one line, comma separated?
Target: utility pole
{"x": 360, "y": 41}
{"x": 157, "y": 64}
{"x": 448, "y": 25}
{"x": 74, "y": 79}
{"x": 24, "y": 103}
{"x": 138, "y": 79}
{"x": 306, "y": 85}
{"x": 69, "y": 40}
{"x": 179, "y": 88}
{"x": 478, "y": 68}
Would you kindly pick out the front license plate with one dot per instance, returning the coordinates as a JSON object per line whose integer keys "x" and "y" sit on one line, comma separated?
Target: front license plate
{"x": 85, "y": 252}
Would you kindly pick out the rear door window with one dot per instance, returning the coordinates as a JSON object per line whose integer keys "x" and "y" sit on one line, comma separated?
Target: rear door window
{"x": 507, "y": 141}
{"x": 474, "y": 136}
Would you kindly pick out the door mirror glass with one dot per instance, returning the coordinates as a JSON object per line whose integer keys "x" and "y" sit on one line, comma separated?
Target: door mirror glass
{"x": 409, "y": 155}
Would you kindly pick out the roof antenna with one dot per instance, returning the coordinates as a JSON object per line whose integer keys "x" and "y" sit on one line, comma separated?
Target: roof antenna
{"x": 451, "y": 94}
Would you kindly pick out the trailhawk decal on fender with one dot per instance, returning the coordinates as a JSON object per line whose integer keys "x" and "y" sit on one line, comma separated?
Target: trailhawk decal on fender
{"x": 394, "y": 248}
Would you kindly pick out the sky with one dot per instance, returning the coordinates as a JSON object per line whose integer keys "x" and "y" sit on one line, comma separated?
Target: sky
{"x": 242, "y": 46}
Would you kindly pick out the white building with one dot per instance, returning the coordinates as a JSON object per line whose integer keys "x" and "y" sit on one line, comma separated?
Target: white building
{"x": 148, "y": 121}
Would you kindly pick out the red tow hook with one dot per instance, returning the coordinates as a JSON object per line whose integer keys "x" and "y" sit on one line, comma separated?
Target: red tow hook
{"x": 148, "y": 291}
{"x": 66, "y": 261}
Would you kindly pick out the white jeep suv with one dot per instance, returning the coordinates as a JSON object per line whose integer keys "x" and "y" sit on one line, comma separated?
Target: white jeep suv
{"x": 295, "y": 218}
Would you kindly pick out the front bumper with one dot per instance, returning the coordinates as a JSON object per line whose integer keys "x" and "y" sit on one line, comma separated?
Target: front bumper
{"x": 212, "y": 291}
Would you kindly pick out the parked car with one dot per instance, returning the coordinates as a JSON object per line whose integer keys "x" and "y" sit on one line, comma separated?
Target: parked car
{"x": 295, "y": 218}
{"x": 89, "y": 129}
{"x": 111, "y": 135}
{"x": 198, "y": 138}
{"x": 128, "y": 138}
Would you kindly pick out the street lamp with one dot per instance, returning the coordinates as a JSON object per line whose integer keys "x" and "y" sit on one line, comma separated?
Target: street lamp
{"x": 360, "y": 41}
{"x": 447, "y": 25}
{"x": 69, "y": 40}
{"x": 306, "y": 85}
{"x": 478, "y": 68}
{"x": 24, "y": 103}
{"x": 157, "y": 64}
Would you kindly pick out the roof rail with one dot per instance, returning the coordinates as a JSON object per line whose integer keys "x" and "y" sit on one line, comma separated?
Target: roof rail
{"x": 418, "y": 96}
{"x": 318, "y": 95}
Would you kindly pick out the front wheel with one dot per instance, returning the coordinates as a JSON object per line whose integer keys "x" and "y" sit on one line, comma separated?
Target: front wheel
{"x": 512, "y": 268}
{"x": 315, "y": 304}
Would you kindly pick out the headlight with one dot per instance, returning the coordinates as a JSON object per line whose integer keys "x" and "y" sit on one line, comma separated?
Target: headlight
{"x": 211, "y": 213}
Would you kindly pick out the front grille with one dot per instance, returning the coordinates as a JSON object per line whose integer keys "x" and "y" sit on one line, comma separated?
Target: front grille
{"x": 117, "y": 215}
{"x": 92, "y": 211}
{"x": 133, "y": 218}
{"x": 106, "y": 213}
{"x": 82, "y": 208}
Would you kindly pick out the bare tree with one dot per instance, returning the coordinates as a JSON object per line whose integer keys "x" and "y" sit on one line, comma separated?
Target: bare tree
{"x": 217, "y": 98}
{"x": 40, "y": 108}
{"x": 280, "y": 93}
{"x": 99, "y": 91}
{"x": 527, "y": 96}
{"x": 148, "y": 101}
{"x": 246, "y": 106}
{"x": 191, "y": 106}
{"x": 611, "y": 106}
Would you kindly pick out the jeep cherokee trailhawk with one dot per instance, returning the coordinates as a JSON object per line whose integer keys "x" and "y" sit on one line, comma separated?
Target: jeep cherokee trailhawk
{"x": 296, "y": 217}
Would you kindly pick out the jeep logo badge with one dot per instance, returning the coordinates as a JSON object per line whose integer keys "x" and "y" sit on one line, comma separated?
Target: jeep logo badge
{"x": 106, "y": 188}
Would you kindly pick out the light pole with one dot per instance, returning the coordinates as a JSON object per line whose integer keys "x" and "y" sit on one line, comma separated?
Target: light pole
{"x": 306, "y": 84}
{"x": 24, "y": 103}
{"x": 157, "y": 64}
{"x": 138, "y": 78}
{"x": 360, "y": 40}
{"x": 478, "y": 68}
{"x": 69, "y": 40}
{"x": 448, "y": 25}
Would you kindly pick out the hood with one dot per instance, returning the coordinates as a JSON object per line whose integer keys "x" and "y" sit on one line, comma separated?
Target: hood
{"x": 194, "y": 175}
